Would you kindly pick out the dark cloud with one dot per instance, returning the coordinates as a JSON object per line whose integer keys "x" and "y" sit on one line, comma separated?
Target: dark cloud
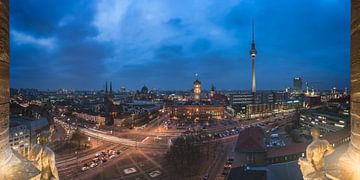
{"x": 81, "y": 44}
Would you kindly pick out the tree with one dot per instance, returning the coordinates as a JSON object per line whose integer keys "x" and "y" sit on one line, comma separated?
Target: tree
{"x": 184, "y": 156}
{"x": 188, "y": 154}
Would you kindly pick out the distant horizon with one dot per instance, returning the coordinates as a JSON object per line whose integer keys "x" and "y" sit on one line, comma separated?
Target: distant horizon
{"x": 183, "y": 90}
{"x": 81, "y": 44}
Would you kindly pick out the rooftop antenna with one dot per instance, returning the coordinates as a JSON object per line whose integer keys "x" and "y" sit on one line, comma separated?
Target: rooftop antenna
{"x": 253, "y": 31}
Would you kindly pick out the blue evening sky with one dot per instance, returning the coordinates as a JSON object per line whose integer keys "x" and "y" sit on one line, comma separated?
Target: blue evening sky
{"x": 163, "y": 43}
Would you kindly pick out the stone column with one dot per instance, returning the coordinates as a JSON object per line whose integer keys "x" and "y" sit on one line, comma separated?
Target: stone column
{"x": 5, "y": 151}
{"x": 12, "y": 165}
{"x": 349, "y": 165}
{"x": 355, "y": 79}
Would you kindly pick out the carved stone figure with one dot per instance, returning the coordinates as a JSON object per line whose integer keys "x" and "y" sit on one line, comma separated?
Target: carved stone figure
{"x": 44, "y": 158}
{"x": 312, "y": 167}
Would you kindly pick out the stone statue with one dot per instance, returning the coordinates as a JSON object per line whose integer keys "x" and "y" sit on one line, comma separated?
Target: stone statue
{"x": 44, "y": 158}
{"x": 312, "y": 167}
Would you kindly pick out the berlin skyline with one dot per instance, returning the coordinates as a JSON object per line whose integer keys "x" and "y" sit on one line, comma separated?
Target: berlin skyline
{"x": 162, "y": 44}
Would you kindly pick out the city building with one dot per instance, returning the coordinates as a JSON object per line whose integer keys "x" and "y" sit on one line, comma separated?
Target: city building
{"x": 34, "y": 125}
{"x": 261, "y": 110}
{"x": 250, "y": 146}
{"x": 294, "y": 151}
{"x": 144, "y": 94}
{"x": 325, "y": 121}
{"x": 263, "y": 103}
{"x": 241, "y": 98}
{"x": 19, "y": 138}
{"x": 97, "y": 119}
{"x": 197, "y": 90}
{"x": 297, "y": 85}
{"x": 197, "y": 111}
{"x": 312, "y": 101}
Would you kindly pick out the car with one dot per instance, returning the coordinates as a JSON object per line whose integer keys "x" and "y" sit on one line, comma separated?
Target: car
{"x": 84, "y": 168}
{"x": 112, "y": 156}
{"x": 92, "y": 165}
{"x": 155, "y": 173}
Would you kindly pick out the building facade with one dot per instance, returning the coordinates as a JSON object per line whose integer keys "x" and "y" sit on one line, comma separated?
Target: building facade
{"x": 297, "y": 85}
{"x": 197, "y": 90}
{"x": 97, "y": 119}
{"x": 20, "y": 138}
{"x": 197, "y": 111}
{"x": 324, "y": 121}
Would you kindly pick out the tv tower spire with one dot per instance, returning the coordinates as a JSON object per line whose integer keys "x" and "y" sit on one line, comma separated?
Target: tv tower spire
{"x": 253, "y": 53}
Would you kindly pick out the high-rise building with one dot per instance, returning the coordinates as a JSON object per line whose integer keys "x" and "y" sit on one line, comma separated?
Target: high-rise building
{"x": 253, "y": 53}
{"x": 297, "y": 85}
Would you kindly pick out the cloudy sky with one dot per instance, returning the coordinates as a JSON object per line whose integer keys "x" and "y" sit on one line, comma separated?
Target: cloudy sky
{"x": 163, "y": 43}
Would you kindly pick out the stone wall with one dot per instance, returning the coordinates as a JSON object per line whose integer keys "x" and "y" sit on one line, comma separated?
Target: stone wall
{"x": 5, "y": 151}
{"x": 355, "y": 78}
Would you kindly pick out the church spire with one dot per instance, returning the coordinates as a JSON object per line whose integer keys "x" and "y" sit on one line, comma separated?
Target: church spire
{"x": 111, "y": 90}
{"x": 106, "y": 88}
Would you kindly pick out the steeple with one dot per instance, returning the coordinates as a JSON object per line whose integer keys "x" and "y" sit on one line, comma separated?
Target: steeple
{"x": 106, "y": 88}
{"x": 212, "y": 87}
{"x": 197, "y": 88}
{"x": 111, "y": 91}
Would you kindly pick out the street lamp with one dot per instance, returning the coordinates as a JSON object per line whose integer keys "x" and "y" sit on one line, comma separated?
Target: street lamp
{"x": 133, "y": 123}
{"x": 89, "y": 139}
{"x": 77, "y": 160}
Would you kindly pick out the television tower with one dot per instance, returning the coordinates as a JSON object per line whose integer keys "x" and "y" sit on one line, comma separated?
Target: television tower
{"x": 253, "y": 53}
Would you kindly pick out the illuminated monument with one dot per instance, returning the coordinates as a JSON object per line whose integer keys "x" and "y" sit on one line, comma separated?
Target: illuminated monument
{"x": 12, "y": 165}
{"x": 197, "y": 89}
{"x": 253, "y": 53}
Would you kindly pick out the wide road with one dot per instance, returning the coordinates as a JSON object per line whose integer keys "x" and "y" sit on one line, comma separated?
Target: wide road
{"x": 118, "y": 140}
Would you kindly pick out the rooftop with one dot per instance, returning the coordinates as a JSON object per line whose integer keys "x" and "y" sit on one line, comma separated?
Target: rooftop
{"x": 196, "y": 103}
{"x": 301, "y": 147}
{"x": 251, "y": 140}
